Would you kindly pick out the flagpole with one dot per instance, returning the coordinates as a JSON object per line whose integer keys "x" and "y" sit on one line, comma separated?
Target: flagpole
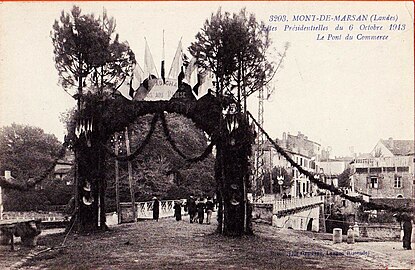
{"x": 163, "y": 75}
{"x": 130, "y": 175}
{"x": 117, "y": 180}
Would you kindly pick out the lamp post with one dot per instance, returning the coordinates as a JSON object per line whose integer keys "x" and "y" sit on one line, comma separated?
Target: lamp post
{"x": 280, "y": 179}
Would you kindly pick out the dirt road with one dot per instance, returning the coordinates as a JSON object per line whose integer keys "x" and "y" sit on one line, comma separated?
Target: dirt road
{"x": 169, "y": 244}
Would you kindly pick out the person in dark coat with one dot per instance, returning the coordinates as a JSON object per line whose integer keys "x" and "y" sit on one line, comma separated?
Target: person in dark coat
{"x": 156, "y": 209}
{"x": 407, "y": 232}
{"x": 201, "y": 211}
{"x": 191, "y": 207}
{"x": 178, "y": 211}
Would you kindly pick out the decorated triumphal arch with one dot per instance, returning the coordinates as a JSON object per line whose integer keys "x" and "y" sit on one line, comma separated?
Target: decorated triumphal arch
{"x": 219, "y": 117}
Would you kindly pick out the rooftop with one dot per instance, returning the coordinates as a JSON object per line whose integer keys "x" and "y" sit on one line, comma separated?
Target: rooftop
{"x": 399, "y": 147}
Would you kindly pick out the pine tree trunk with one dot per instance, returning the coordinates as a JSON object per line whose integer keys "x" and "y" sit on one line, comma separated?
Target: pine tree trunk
{"x": 234, "y": 150}
{"x": 91, "y": 186}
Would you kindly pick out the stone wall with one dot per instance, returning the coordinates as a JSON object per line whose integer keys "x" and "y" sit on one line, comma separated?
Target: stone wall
{"x": 262, "y": 212}
{"x": 300, "y": 220}
{"x": 380, "y": 231}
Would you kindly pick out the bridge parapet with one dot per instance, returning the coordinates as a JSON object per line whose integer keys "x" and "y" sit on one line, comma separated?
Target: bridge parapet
{"x": 144, "y": 210}
{"x": 295, "y": 203}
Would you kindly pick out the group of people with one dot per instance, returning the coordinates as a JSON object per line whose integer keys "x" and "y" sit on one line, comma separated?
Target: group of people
{"x": 198, "y": 208}
{"x": 195, "y": 208}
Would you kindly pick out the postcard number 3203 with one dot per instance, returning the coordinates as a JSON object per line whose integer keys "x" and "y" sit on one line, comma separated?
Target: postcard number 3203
{"x": 278, "y": 18}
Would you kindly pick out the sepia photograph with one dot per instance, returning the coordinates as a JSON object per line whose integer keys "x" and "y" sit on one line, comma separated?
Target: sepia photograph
{"x": 207, "y": 135}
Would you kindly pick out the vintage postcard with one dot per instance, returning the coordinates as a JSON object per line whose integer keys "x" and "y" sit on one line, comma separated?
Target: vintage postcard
{"x": 207, "y": 134}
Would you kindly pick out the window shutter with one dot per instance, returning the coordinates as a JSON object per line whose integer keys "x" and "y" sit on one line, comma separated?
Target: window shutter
{"x": 380, "y": 180}
{"x": 368, "y": 182}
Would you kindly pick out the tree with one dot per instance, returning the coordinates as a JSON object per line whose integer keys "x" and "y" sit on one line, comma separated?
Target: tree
{"x": 27, "y": 152}
{"x": 88, "y": 53}
{"x": 89, "y": 56}
{"x": 344, "y": 178}
{"x": 154, "y": 168}
{"x": 235, "y": 47}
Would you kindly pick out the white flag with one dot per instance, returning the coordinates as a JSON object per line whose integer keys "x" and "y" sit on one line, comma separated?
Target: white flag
{"x": 125, "y": 87}
{"x": 176, "y": 65}
{"x": 149, "y": 66}
{"x": 138, "y": 76}
{"x": 206, "y": 83}
{"x": 191, "y": 72}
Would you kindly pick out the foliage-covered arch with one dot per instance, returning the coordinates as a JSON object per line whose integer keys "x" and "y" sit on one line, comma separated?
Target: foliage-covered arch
{"x": 231, "y": 133}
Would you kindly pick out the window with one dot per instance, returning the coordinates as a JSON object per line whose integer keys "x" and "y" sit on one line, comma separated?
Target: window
{"x": 398, "y": 181}
{"x": 403, "y": 169}
{"x": 374, "y": 182}
{"x": 361, "y": 170}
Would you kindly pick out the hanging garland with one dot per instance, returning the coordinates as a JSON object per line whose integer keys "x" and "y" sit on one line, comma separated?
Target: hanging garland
{"x": 173, "y": 144}
{"x": 320, "y": 184}
{"x": 295, "y": 210}
{"x": 143, "y": 144}
{"x": 4, "y": 183}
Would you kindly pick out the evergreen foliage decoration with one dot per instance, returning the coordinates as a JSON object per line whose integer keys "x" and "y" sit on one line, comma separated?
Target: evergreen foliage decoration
{"x": 110, "y": 115}
{"x": 232, "y": 170}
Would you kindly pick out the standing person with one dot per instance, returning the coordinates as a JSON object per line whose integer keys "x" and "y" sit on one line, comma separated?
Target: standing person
{"x": 407, "y": 232}
{"x": 209, "y": 209}
{"x": 191, "y": 207}
{"x": 201, "y": 211}
{"x": 178, "y": 210}
{"x": 156, "y": 209}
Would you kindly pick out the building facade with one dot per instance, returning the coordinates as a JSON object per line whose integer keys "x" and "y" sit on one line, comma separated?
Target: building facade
{"x": 388, "y": 172}
{"x": 304, "y": 152}
{"x": 332, "y": 168}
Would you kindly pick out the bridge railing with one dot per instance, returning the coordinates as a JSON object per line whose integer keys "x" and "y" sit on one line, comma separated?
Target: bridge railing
{"x": 145, "y": 209}
{"x": 293, "y": 203}
{"x": 51, "y": 216}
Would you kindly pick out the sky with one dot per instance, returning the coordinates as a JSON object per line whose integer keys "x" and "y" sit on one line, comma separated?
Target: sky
{"x": 339, "y": 93}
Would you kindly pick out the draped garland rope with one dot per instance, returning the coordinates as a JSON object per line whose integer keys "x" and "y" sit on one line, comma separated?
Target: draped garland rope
{"x": 320, "y": 184}
{"x": 4, "y": 183}
{"x": 140, "y": 149}
{"x": 173, "y": 144}
{"x": 166, "y": 131}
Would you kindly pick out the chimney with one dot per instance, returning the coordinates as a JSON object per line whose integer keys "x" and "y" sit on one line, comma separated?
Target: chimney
{"x": 7, "y": 174}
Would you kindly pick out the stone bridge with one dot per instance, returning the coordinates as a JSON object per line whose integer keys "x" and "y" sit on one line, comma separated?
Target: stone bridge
{"x": 294, "y": 213}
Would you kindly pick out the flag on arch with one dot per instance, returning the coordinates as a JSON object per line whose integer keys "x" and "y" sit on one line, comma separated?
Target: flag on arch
{"x": 176, "y": 65}
{"x": 149, "y": 66}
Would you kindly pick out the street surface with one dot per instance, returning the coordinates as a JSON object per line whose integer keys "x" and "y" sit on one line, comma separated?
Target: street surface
{"x": 169, "y": 244}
